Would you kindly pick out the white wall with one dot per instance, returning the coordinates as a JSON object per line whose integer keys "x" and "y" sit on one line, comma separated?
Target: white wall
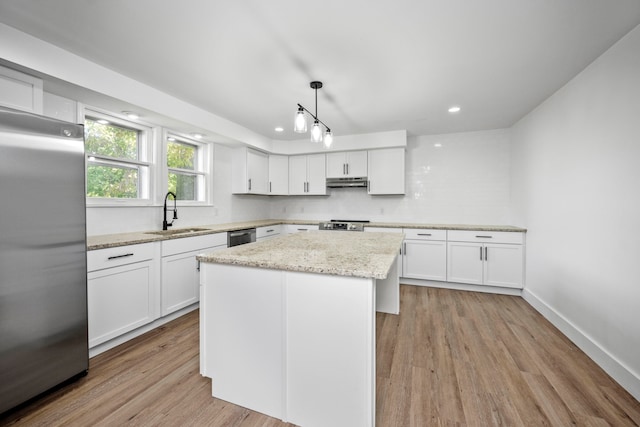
{"x": 576, "y": 188}
{"x": 466, "y": 180}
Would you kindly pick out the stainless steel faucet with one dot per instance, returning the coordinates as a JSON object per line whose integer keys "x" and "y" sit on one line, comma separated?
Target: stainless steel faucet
{"x": 166, "y": 224}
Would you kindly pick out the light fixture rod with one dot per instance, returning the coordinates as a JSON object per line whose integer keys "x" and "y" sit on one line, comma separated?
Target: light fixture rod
{"x": 313, "y": 115}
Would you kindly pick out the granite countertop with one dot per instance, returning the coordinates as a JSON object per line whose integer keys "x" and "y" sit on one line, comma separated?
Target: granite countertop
{"x": 121, "y": 239}
{"x": 368, "y": 255}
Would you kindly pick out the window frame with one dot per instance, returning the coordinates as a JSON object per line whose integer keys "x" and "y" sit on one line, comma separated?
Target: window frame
{"x": 202, "y": 168}
{"x": 144, "y": 163}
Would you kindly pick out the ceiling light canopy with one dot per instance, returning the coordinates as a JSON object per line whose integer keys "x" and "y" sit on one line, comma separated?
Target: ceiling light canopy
{"x": 300, "y": 122}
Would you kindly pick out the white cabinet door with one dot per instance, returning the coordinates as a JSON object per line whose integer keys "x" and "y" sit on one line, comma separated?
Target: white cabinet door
{"x": 347, "y": 164}
{"x": 316, "y": 174}
{"x": 20, "y": 91}
{"x": 121, "y": 299}
{"x": 257, "y": 172}
{"x": 357, "y": 164}
{"x": 386, "y": 171}
{"x": 297, "y": 175}
{"x": 278, "y": 175}
{"x": 424, "y": 259}
{"x": 307, "y": 175}
{"x": 336, "y": 165}
{"x": 180, "y": 281}
{"x": 250, "y": 171}
{"x": 465, "y": 262}
{"x": 503, "y": 265}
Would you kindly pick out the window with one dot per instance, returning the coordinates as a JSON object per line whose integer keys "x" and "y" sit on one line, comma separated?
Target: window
{"x": 117, "y": 159}
{"x": 186, "y": 168}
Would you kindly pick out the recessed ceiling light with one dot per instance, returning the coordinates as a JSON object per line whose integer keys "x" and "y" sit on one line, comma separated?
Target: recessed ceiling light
{"x": 131, "y": 115}
{"x": 279, "y": 129}
{"x": 437, "y": 145}
{"x": 454, "y": 109}
{"x": 171, "y": 139}
{"x": 103, "y": 121}
{"x": 198, "y": 135}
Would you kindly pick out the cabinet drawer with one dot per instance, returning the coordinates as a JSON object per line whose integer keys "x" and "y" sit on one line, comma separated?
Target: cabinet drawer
{"x": 113, "y": 257}
{"x": 268, "y": 231}
{"x": 195, "y": 243}
{"x": 424, "y": 234}
{"x": 485, "y": 236}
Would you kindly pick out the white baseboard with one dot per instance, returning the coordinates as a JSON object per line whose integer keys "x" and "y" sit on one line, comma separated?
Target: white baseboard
{"x": 101, "y": 348}
{"x": 461, "y": 286}
{"x": 618, "y": 371}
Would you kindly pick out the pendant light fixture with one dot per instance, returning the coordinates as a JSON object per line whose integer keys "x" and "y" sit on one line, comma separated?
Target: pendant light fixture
{"x": 300, "y": 123}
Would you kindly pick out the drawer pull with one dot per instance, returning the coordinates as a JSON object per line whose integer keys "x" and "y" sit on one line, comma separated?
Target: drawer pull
{"x": 424, "y": 234}
{"x": 119, "y": 256}
{"x": 484, "y": 237}
{"x": 270, "y": 231}
{"x": 486, "y": 254}
{"x": 480, "y": 253}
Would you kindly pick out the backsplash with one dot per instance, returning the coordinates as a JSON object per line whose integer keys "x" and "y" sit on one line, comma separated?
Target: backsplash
{"x": 464, "y": 180}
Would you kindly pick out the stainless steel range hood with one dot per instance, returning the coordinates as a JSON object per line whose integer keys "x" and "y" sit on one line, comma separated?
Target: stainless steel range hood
{"x": 347, "y": 182}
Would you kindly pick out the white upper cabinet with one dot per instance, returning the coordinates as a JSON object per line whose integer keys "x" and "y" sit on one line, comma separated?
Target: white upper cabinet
{"x": 20, "y": 91}
{"x": 386, "y": 171}
{"x": 278, "y": 175}
{"x": 307, "y": 175}
{"x": 250, "y": 172}
{"x": 347, "y": 164}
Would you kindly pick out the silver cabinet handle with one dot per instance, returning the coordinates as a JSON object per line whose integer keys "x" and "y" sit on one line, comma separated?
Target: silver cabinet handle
{"x": 484, "y": 237}
{"x": 405, "y": 247}
{"x": 270, "y": 231}
{"x": 347, "y": 168}
{"x": 249, "y": 184}
{"x": 424, "y": 234}
{"x": 198, "y": 265}
{"x": 486, "y": 254}
{"x": 344, "y": 169}
{"x": 270, "y": 187}
{"x": 480, "y": 253}
{"x": 120, "y": 256}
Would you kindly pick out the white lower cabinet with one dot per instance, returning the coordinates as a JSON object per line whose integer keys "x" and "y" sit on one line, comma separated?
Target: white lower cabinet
{"x": 424, "y": 254}
{"x": 181, "y": 270}
{"x": 268, "y": 232}
{"x": 499, "y": 262}
{"x": 297, "y": 228}
{"x": 122, "y": 290}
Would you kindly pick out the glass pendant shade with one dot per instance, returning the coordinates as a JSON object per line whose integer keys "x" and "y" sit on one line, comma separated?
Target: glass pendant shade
{"x": 300, "y": 123}
{"x": 328, "y": 138}
{"x": 316, "y": 132}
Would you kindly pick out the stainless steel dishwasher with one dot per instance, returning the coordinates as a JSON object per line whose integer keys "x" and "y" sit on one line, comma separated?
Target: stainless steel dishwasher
{"x": 240, "y": 237}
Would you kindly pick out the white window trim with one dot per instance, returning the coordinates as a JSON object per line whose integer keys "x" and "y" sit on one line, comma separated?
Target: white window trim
{"x": 147, "y": 137}
{"x": 204, "y": 165}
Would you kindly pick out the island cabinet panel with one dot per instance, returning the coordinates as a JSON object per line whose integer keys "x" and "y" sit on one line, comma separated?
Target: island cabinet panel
{"x": 295, "y": 346}
{"x": 242, "y": 335}
{"x": 330, "y": 374}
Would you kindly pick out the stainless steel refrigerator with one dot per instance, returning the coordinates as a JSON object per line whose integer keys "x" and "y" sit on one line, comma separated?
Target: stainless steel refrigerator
{"x": 43, "y": 273}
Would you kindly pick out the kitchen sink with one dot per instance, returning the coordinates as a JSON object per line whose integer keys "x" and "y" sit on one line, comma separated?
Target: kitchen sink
{"x": 176, "y": 231}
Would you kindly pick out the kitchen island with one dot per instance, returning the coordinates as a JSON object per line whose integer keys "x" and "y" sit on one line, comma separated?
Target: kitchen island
{"x": 288, "y": 325}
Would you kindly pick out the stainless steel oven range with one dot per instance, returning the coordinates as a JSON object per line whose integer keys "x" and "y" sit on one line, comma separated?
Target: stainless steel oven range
{"x": 343, "y": 225}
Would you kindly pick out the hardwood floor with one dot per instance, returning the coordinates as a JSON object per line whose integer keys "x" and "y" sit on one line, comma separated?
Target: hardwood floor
{"x": 451, "y": 358}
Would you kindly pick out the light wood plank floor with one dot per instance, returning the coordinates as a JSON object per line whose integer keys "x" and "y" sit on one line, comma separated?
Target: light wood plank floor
{"x": 451, "y": 358}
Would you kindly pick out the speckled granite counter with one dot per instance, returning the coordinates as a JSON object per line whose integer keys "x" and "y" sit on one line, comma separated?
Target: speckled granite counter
{"x": 121, "y": 239}
{"x": 368, "y": 255}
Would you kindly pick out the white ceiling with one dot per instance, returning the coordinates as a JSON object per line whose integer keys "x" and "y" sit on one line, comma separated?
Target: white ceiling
{"x": 386, "y": 65}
